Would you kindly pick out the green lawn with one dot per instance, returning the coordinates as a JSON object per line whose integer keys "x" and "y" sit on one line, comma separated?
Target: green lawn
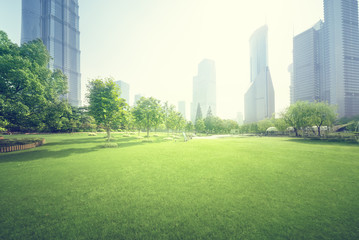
{"x": 232, "y": 188}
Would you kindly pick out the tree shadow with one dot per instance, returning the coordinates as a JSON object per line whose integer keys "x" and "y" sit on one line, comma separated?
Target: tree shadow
{"x": 46, "y": 151}
{"x": 321, "y": 142}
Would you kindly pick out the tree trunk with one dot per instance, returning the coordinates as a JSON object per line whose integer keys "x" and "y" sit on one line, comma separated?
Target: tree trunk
{"x": 296, "y": 132}
{"x": 108, "y": 133}
{"x": 148, "y": 132}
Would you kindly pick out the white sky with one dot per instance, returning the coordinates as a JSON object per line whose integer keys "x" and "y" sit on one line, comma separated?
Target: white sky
{"x": 156, "y": 45}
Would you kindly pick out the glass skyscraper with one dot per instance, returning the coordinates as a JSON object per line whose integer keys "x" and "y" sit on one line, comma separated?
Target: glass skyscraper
{"x": 341, "y": 41}
{"x": 259, "y": 102}
{"x": 56, "y": 23}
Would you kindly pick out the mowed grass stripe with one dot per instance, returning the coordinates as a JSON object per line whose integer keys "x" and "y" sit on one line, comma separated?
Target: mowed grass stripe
{"x": 233, "y": 188}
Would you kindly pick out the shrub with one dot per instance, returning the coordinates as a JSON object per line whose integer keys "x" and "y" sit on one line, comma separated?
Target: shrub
{"x": 155, "y": 135}
{"x": 168, "y": 139}
{"x": 125, "y": 135}
{"x": 147, "y": 140}
{"x": 110, "y": 145}
{"x": 139, "y": 137}
{"x": 92, "y": 134}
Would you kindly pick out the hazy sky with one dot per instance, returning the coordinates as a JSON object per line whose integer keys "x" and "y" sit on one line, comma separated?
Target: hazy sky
{"x": 156, "y": 45}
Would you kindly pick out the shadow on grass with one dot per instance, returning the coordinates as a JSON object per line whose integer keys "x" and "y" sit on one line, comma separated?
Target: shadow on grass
{"x": 321, "y": 142}
{"x": 46, "y": 152}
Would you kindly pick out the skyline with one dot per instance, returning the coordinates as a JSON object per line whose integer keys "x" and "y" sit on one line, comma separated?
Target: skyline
{"x": 156, "y": 47}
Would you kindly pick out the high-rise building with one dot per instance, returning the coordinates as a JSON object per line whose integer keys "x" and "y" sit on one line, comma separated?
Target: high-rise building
{"x": 308, "y": 74}
{"x": 326, "y": 59}
{"x": 182, "y": 108}
{"x": 291, "y": 86}
{"x": 125, "y": 90}
{"x": 204, "y": 89}
{"x": 259, "y": 100}
{"x": 56, "y": 23}
{"x": 341, "y": 41}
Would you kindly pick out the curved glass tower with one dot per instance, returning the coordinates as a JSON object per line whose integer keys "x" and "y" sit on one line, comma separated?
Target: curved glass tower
{"x": 259, "y": 98}
{"x": 56, "y": 23}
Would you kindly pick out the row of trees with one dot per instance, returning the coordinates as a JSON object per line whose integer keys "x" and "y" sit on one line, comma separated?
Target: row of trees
{"x": 298, "y": 116}
{"x": 111, "y": 112}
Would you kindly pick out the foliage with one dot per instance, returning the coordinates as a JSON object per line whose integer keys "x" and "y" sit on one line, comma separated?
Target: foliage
{"x": 322, "y": 114}
{"x": 148, "y": 113}
{"x": 198, "y": 113}
{"x": 189, "y": 126}
{"x": 200, "y": 126}
{"x": 105, "y": 104}
{"x": 30, "y": 92}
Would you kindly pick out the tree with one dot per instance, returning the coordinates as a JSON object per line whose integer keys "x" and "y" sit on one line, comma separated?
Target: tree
{"x": 105, "y": 104}
{"x": 297, "y": 115}
{"x": 180, "y": 122}
{"x": 27, "y": 87}
{"x": 189, "y": 126}
{"x": 169, "y": 116}
{"x": 148, "y": 113}
{"x": 198, "y": 112}
{"x": 199, "y": 126}
{"x": 322, "y": 114}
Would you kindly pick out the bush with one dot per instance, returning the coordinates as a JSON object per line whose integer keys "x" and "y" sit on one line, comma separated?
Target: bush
{"x": 168, "y": 139}
{"x": 147, "y": 140}
{"x": 125, "y": 135}
{"x": 139, "y": 137}
{"x": 92, "y": 134}
{"x": 110, "y": 145}
{"x": 155, "y": 135}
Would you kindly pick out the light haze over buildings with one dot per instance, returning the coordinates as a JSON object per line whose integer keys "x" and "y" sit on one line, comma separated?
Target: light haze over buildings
{"x": 259, "y": 100}
{"x": 56, "y": 23}
{"x": 204, "y": 89}
{"x": 125, "y": 90}
{"x": 156, "y": 45}
{"x": 182, "y": 108}
{"x": 137, "y": 97}
{"x": 326, "y": 59}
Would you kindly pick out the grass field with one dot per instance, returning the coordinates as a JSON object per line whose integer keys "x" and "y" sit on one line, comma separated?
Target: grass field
{"x": 231, "y": 188}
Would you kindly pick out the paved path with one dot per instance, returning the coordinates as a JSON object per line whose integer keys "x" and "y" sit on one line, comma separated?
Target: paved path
{"x": 213, "y": 137}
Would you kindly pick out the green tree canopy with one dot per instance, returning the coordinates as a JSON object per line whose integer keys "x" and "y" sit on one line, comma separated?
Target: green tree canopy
{"x": 105, "y": 104}
{"x": 148, "y": 113}
{"x": 28, "y": 88}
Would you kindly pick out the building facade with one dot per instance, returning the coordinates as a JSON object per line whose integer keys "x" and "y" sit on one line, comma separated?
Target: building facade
{"x": 204, "y": 89}
{"x": 125, "y": 90}
{"x": 259, "y": 100}
{"x": 56, "y": 23}
{"x": 326, "y": 59}
{"x": 308, "y": 74}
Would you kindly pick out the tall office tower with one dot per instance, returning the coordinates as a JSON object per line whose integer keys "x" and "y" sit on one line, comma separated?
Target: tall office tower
{"x": 259, "y": 100}
{"x": 308, "y": 59}
{"x": 240, "y": 118}
{"x": 182, "y": 108}
{"x": 341, "y": 41}
{"x": 56, "y": 23}
{"x": 204, "y": 89}
{"x": 125, "y": 90}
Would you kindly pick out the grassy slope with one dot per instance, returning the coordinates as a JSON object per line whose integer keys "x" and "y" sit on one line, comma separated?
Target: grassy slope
{"x": 242, "y": 188}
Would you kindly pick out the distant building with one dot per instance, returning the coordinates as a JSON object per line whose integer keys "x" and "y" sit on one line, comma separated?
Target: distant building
{"x": 125, "y": 90}
{"x": 204, "y": 89}
{"x": 259, "y": 100}
{"x": 56, "y": 23}
{"x": 308, "y": 74}
{"x": 240, "y": 118}
{"x": 341, "y": 42}
{"x": 137, "y": 97}
{"x": 182, "y": 108}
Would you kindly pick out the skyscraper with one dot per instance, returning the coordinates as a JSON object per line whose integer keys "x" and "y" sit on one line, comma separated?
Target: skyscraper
{"x": 308, "y": 68}
{"x": 326, "y": 59}
{"x": 125, "y": 90}
{"x": 341, "y": 41}
{"x": 204, "y": 89}
{"x": 259, "y": 100}
{"x": 56, "y": 23}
